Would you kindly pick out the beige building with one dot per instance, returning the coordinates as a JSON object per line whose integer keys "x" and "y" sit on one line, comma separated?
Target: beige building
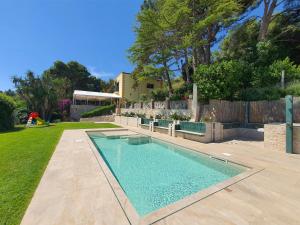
{"x": 130, "y": 90}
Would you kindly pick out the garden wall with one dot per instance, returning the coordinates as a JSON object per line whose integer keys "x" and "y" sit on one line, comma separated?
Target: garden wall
{"x": 77, "y": 110}
{"x": 182, "y": 104}
{"x": 164, "y": 112}
{"x": 109, "y": 118}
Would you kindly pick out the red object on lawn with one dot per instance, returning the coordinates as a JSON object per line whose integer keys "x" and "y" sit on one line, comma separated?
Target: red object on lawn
{"x": 34, "y": 115}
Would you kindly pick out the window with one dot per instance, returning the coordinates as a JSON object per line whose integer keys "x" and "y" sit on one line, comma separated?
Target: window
{"x": 150, "y": 86}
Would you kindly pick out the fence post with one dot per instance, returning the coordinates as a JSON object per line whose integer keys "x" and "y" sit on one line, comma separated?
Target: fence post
{"x": 289, "y": 123}
{"x": 247, "y": 112}
{"x": 195, "y": 108}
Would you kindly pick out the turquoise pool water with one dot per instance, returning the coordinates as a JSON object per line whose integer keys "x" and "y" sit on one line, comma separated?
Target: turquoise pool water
{"x": 156, "y": 174}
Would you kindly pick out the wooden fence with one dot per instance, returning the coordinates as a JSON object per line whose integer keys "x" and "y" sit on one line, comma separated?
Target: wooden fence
{"x": 253, "y": 112}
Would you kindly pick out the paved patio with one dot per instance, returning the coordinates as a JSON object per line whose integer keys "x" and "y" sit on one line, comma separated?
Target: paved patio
{"x": 74, "y": 189}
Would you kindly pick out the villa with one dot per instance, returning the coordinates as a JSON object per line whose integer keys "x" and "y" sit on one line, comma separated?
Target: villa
{"x": 127, "y": 89}
{"x": 202, "y": 129}
{"x": 131, "y": 90}
{"x": 165, "y": 171}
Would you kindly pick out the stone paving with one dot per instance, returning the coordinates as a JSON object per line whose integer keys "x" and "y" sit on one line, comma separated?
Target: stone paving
{"x": 75, "y": 190}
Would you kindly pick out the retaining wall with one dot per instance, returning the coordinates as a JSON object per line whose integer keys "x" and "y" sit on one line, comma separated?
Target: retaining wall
{"x": 110, "y": 118}
{"x": 275, "y": 137}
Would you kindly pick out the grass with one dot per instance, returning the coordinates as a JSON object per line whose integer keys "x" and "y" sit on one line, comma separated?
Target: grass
{"x": 24, "y": 155}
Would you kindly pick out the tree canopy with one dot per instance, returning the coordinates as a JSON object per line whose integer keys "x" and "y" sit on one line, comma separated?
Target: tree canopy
{"x": 177, "y": 37}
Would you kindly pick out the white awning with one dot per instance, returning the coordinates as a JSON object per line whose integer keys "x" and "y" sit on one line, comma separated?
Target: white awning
{"x": 96, "y": 96}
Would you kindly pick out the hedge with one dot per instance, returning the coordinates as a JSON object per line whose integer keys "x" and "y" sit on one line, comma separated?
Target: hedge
{"x": 99, "y": 111}
{"x": 7, "y": 107}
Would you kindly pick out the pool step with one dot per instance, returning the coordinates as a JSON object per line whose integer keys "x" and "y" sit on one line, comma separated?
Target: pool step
{"x": 138, "y": 140}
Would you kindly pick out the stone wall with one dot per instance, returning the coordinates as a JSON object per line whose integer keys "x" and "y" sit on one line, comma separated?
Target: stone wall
{"x": 128, "y": 121}
{"x": 109, "y": 118}
{"x": 164, "y": 112}
{"x": 181, "y": 104}
{"x": 274, "y": 137}
{"x": 77, "y": 110}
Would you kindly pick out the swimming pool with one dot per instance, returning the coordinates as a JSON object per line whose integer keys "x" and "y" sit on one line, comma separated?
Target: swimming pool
{"x": 154, "y": 174}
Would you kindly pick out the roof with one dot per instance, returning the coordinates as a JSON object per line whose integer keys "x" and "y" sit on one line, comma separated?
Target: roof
{"x": 90, "y": 95}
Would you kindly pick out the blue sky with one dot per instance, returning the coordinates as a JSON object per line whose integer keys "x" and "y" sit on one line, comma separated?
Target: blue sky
{"x": 35, "y": 33}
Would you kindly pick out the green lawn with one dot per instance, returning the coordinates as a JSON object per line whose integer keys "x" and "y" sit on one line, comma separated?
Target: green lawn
{"x": 24, "y": 155}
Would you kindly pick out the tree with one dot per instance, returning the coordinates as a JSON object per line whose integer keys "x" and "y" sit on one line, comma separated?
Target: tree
{"x": 41, "y": 93}
{"x": 268, "y": 13}
{"x": 151, "y": 51}
{"x": 77, "y": 75}
{"x": 179, "y": 33}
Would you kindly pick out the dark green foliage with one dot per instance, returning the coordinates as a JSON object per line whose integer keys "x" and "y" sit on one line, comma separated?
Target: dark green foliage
{"x": 183, "y": 92}
{"x": 21, "y": 116}
{"x": 293, "y": 89}
{"x": 159, "y": 94}
{"x": 257, "y": 94}
{"x": 127, "y": 114}
{"x": 99, "y": 111}
{"x": 7, "y": 106}
{"x": 180, "y": 117}
{"x": 77, "y": 76}
{"x": 222, "y": 80}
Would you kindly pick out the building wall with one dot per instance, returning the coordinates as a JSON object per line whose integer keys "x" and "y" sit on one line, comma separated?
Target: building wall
{"x": 132, "y": 92}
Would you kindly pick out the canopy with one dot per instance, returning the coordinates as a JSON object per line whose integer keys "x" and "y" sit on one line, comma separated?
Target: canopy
{"x": 93, "y": 96}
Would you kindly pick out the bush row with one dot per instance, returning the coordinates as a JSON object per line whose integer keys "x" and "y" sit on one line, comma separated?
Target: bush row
{"x": 99, "y": 111}
{"x": 7, "y": 107}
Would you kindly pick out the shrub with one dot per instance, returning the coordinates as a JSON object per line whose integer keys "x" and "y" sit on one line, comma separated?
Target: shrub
{"x": 182, "y": 93}
{"x": 180, "y": 117}
{"x": 159, "y": 94}
{"x": 222, "y": 80}
{"x": 141, "y": 115}
{"x": 257, "y": 94}
{"x": 293, "y": 89}
{"x": 292, "y": 71}
{"x": 21, "y": 116}
{"x": 127, "y": 114}
{"x": 158, "y": 116}
{"x": 99, "y": 111}
{"x": 143, "y": 98}
{"x": 7, "y": 107}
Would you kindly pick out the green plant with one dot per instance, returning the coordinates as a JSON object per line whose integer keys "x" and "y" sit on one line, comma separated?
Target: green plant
{"x": 292, "y": 71}
{"x": 293, "y": 89}
{"x": 256, "y": 94}
{"x": 176, "y": 116}
{"x": 99, "y": 111}
{"x": 21, "y": 116}
{"x": 158, "y": 116}
{"x": 144, "y": 97}
{"x": 7, "y": 106}
{"x": 159, "y": 94}
{"x": 182, "y": 93}
{"x": 129, "y": 114}
{"x": 141, "y": 115}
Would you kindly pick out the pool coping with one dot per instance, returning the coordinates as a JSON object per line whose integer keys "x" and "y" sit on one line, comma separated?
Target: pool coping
{"x": 129, "y": 210}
